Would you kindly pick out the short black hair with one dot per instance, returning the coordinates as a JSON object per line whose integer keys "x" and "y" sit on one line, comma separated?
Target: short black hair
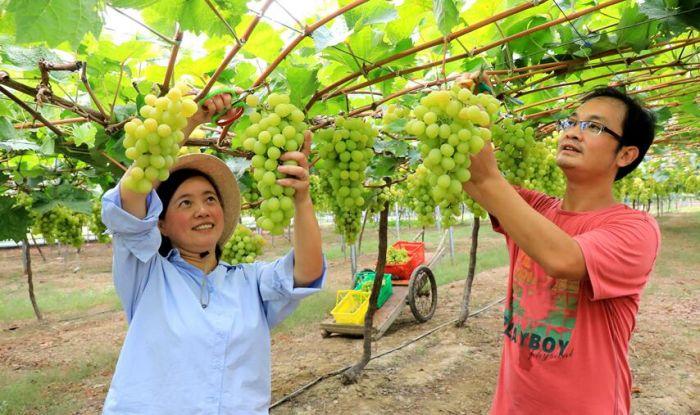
{"x": 165, "y": 193}
{"x": 638, "y": 125}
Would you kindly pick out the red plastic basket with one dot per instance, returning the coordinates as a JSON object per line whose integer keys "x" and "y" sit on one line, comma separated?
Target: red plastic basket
{"x": 416, "y": 257}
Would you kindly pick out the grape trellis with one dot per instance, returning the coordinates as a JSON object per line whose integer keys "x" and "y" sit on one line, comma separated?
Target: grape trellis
{"x": 368, "y": 72}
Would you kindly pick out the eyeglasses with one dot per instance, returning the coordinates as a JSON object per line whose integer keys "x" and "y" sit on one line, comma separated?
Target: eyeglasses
{"x": 592, "y": 127}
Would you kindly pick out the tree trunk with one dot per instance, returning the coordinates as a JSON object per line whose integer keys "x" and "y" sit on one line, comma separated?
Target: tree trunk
{"x": 464, "y": 311}
{"x": 658, "y": 206}
{"x": 362, "y": 232}
{"x": 36, "y": 245}
{"x": 342, "y": 247}
{"x": 27, "y": 262}
{"x": 352, "y": 375}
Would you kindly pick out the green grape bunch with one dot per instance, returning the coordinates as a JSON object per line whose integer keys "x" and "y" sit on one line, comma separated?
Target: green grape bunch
{"x": 394, "y": 113}
{"x": 61, "y": 224}
{"x": 418, "y": 197}
{"x": 97, "y": 227}
{"x": 525, "y": 161}
{"x": 154, "y": 142}
{"x": 451, "y": 125}
{"x": 344, "y": 151}
{"x": 396, "y": 256}
{"x": 243, "y": 247}
{"x": 276, "y": 127}
{"x": 474, "y": 207}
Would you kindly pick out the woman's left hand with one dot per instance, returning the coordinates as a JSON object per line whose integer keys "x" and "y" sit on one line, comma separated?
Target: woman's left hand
{"x": 299, "y": 174}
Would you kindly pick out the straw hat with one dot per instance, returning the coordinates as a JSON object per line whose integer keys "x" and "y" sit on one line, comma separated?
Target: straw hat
{"x": 225, "y": 182}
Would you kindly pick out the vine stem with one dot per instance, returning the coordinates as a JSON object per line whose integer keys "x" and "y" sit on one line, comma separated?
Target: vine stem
{"x": 397, "y": 94}
{"x": 626, "y": 82}
{"x": 234, "y": 50}
{"x": 165, "y": 87}
{"x": 475, "y": 51}
{"x": 571, "y": 67}
{"x": 65, "y": 104}
{"x": 84, "y": 80}
{"x": 116, "y": 163}
{"x": 454, "y": 35}
{"x": 583, "y": 81}
{"x": 30, "y": 110}
{"x": 34, "y": 124}
{"x": 638, "y": 91}
{"x": 308, "y": 30}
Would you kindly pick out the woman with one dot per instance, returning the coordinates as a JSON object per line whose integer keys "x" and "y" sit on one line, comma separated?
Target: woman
{"x": 198, "y": 340}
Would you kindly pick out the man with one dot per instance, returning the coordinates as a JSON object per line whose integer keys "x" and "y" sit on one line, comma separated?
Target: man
{"x": 577, "y": 265}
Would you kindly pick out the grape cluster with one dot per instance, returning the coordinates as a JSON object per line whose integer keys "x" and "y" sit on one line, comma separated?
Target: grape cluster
{"x": 395, "y": 256}
{"x": 320, "y": 199}
{"x": 96, "y": 226}
{"x": 419, "y": 198}
{"x": 154, "y": 142}
{"x": 276, "y": 127}
{"x": 243, "y": 247}
{"x": 474, "y": 207}
{"x": 61, "y": 224}
{"x": 525, "y": 161}
{"x": 393, "y": 113}
{"x": 345, "y": 151}
{"x": 188, "y": 150}
{"x": 451, "y": 126}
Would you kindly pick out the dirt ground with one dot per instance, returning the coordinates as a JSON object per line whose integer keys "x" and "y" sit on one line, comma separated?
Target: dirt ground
{"x": 452, "y": 371}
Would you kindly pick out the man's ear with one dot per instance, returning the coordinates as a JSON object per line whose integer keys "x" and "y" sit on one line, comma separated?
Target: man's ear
{"x": 627, "y": 155}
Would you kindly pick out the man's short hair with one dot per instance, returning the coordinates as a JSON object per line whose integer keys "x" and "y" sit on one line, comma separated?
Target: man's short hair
{"x": 638, "y": 125}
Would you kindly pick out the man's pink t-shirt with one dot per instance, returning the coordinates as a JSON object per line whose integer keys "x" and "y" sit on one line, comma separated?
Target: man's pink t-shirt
{"x": 565, "y": 344}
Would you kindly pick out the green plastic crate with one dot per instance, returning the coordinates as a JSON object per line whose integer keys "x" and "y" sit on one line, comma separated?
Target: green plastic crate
{"x": 367, "y": 277}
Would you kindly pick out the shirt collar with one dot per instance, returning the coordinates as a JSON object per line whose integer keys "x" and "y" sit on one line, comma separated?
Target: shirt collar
{"x": 175, "y": 257}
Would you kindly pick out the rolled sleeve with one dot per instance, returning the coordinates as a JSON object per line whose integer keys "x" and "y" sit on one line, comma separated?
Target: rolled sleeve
{"x": 276, "y": 285}
{"x": 141, "y": 237}
{"x": 135, "y": 246}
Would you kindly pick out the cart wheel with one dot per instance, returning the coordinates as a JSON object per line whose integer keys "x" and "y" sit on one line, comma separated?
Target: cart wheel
{"x": 422, "y": 294}
{"x": 325, "y": 333}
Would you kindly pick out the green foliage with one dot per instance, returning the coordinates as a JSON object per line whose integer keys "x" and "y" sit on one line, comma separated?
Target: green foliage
{"x": 14, "y": 220}
{"x": 62, "y": 225}
{"x": 122, "y": 70}
{"x": 55, "y": 21}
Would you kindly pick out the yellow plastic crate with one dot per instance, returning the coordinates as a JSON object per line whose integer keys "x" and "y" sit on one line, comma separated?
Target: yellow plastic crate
{"x": 350, "y": 306}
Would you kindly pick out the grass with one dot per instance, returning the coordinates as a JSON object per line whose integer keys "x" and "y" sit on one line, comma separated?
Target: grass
{"x": 15, "y": 304}
{"x": 44, "y": 391}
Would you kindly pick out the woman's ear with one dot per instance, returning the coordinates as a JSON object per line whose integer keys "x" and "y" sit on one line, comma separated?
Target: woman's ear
{"x": 161, "y": 227}
{"x": 627, "y": 155}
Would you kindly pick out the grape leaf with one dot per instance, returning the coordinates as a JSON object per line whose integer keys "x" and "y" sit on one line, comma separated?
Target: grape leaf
{"x": 325, "y": 36}
{"x": 302, "y": 83}
{"x": 65, "y": 194}
{"x": 446, "y": 14}
{"x": 14, "y": 220}
{"x": 84, "y": 134}
{"x": 55, "y": 21}
{"x": 132, "y": 4}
